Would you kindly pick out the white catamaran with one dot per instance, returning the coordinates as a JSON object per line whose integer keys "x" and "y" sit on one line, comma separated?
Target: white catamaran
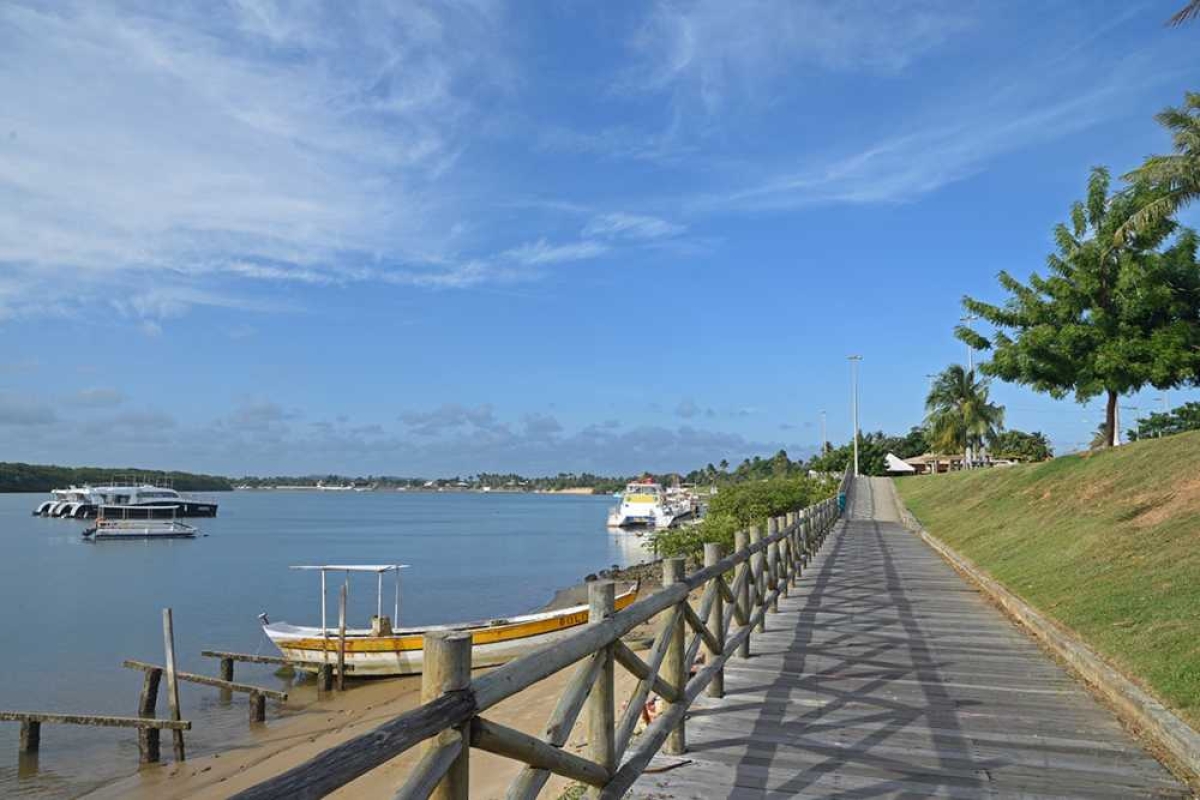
{"x": 645, "y": 504}
{"x": 383, "y": 649}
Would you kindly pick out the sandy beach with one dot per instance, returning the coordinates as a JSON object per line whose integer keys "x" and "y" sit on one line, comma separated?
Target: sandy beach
{"x": 320, "y": 723}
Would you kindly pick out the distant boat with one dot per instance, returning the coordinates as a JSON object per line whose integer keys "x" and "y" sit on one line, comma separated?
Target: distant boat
{"x": 343, "y": 488}
{"x": 138, "y": 497}
{"x": 645, "y": 504}
{"x": 384, "y": 650}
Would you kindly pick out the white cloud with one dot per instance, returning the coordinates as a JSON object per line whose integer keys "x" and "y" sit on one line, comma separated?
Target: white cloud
{"x": 542, "y": 252}
{"x": 260, "y": 141}
{"x": 706, "y": 50}
{"x": 620, "y": 225}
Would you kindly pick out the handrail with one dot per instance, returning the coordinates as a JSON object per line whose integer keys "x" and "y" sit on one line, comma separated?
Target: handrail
{"x": 451, "y": 723}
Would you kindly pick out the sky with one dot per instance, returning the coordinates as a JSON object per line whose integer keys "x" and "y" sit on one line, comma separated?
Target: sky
{"x": 412, "y": 238}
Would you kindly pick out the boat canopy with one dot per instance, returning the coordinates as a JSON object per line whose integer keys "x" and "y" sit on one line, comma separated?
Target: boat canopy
{"x": 377, "y": 570}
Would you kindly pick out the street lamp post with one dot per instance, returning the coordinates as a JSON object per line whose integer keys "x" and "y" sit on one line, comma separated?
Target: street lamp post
{"x": 824, "y": 440}
{"x": 854, "y": 404}
{"x": 967, "y": 320}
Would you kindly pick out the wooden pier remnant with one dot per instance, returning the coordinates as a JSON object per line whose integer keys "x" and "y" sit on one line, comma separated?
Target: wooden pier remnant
{"x": 228, "y": 659}
{"x": 257, "y": 694}
{"x": 32, "y": 721}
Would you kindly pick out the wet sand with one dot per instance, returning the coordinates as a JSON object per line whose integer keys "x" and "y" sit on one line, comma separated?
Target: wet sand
{"x": 321, "y": 723}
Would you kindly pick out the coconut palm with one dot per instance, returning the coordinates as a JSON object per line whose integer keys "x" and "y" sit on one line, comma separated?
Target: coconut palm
{"x": 1188, "y": 12}
{"x": 1171, "y": 181}
{"x": 959, "y": 417}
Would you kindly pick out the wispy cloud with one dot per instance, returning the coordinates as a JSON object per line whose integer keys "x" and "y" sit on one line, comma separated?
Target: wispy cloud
{"x": 542, "y": 252}
{"x": 706, "y": 50}
{"x": 249, "y": 139}
{"x": 950, "y": 145}
{"x": 620, "y": 225}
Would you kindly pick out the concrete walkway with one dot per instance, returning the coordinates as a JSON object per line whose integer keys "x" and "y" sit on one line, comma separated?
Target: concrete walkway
{"x": 886, "y": 675}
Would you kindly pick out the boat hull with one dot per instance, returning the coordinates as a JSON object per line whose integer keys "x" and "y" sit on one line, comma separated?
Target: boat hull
{"x": 402, "y": 653}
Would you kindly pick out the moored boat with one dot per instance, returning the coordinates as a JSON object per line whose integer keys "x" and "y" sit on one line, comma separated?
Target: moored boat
{"x": 645, "y": 504}
{"x": 140, "y": 498}
{"x": 107, "y": 530}
{"x": 382, "y": 649}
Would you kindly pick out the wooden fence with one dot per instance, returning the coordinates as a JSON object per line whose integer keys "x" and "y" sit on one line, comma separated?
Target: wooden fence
{"x": 738, "y": 591}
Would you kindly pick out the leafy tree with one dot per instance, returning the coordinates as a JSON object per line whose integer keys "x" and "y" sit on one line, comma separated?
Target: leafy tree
{"x": 1184, "y": 418}
{"x": 1025, "y": 446}
{"x": 960, "y": 416}
{"x": 1109, "y": 319}
{"x": 1168, "y": 183}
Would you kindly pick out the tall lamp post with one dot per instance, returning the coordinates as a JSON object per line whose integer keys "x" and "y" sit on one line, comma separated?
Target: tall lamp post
{"x": 854, "y": 404}
{"x": 967, "y": 320}
{"x": 823, "y": 437}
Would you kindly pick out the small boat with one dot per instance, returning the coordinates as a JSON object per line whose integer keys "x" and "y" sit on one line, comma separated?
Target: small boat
{"x": 645, "y": 504}
{"x": 110, "y": 530}
{"x": 384, "y": 650}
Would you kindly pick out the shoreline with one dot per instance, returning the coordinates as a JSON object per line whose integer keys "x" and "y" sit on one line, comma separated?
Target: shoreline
{"x": 320, "y": 723}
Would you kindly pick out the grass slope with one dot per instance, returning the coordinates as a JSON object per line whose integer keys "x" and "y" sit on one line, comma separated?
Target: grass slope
{"x": 1108, "y": 544}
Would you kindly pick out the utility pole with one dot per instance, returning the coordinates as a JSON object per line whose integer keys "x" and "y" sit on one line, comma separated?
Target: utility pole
{"x": 967, "y": 320}
{"x": 854, "y": 404}
{"x": 824, "y": 439}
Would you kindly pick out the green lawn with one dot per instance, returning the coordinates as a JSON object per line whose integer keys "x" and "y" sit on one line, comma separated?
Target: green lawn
{"x": 1107, "y": 544}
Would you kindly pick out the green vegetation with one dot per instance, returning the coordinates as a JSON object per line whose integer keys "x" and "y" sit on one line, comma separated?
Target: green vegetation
{"x": 1178, "y": 420}
{"x": 1020, "y": 445}
{"x": 739, "y": 506}
{"x": 43, "y": 478}
{"x": 960, "y": 416}
{"x": 1120, "y": 307}
{"x": 1171, "y": 182}
{"x": 872, "y": 449}
{"x": 1107, "y": 543}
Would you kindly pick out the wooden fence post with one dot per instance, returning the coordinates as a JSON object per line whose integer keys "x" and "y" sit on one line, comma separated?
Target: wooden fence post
{"x": 148, "y": 738}
{"x": 773, "y": 563}
{"x": 601, "y": 724}
{"x": 447, "y": 668}
{"x": 713, "y": 553}
{"x": 172, "y": 684}
{"x": 674, "y": 668}
{"x": 785, "y": 559}
{"x": 740, "y": 542}
{"x": 756, "y": 575}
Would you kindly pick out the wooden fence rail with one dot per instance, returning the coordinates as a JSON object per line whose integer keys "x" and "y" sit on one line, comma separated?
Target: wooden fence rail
{"x": 739, "y": 591}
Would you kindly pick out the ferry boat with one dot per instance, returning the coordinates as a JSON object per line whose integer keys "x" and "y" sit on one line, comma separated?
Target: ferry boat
{"x": 645, "y": 504}
{"x": 383, "y": 649}
{"x": 137, "y": 499}
{"x": 138, "y": 529}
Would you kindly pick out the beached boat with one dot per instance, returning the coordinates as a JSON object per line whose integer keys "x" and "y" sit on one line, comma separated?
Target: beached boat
{"x": 385, "y": 650}
{"x": 108, "y": 530}
{"x": 645, "y": 504}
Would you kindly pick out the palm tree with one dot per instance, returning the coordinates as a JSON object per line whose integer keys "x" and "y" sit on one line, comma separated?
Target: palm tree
{"x": 1171, "y": 181}
{"x": 959, "y": 416}
{"x": 1188, "y": 12}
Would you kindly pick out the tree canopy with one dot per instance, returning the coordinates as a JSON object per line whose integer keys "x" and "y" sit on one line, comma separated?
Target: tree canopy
{"x": 1111, "y": 316}
{"x": 961, "y": 418}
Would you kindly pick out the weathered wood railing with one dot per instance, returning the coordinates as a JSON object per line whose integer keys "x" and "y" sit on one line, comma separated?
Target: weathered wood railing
{"x": 739, "y": 591}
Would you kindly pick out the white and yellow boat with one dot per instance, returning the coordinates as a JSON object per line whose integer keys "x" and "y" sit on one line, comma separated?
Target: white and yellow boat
{"x": 384, "y": 650}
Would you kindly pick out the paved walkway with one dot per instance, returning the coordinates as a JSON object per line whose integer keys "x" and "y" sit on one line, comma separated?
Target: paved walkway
{"x": 886, "y": 675}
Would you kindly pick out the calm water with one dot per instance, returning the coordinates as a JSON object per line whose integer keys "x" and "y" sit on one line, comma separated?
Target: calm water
{"x": 73, "y": 611}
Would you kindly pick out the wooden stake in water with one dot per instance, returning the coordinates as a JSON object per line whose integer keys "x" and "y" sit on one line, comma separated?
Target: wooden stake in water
{"x": 341, "y": 662}
{"x": 172, "y": 684}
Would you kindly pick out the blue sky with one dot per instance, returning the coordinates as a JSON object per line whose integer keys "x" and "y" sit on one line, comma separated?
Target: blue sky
{"x": 409, "y": 238}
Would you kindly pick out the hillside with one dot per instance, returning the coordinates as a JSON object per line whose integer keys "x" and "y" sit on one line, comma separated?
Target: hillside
{"x": 1107, "y": 544}
{"x": 44, "y": 477}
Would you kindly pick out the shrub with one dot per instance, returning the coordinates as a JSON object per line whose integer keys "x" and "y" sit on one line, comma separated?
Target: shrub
{"x": 739, "y": 507}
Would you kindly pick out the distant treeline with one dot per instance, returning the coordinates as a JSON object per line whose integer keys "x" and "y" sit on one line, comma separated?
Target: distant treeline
{"x": 44, "y": 477}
